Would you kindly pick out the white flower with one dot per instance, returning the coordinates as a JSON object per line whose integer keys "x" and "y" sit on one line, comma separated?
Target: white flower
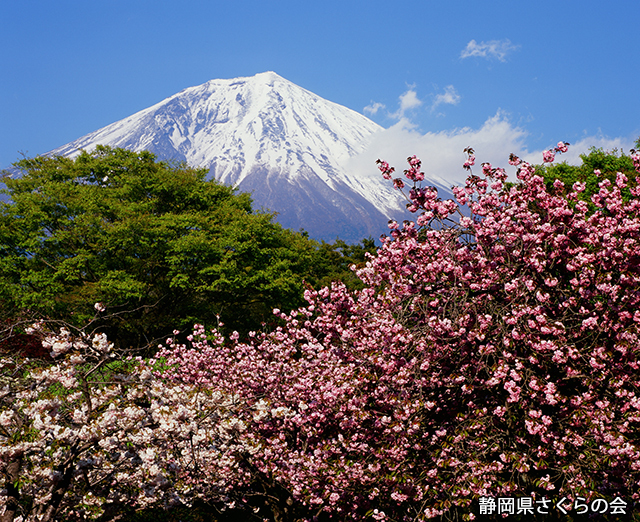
{"x": 145, "y": 375}
{"x": 5, "y": 418}
{"x": 101, "y": 344}
{"x": 281, "y": 411}
{"x": 59, "y": 347}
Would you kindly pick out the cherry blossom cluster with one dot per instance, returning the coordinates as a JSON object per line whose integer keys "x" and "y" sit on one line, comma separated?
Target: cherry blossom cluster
{"x": 549, "y": 156}
{"x": 90, "y": 435}
{"x": 635, "y": 156}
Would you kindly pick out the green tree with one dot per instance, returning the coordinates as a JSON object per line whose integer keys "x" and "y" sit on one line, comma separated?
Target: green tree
{"x": 336, "y": 259}
{"x": 156, "y": 243}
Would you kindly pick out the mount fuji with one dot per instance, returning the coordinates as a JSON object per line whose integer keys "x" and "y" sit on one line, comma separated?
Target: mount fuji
{"x": 267, "y": 136}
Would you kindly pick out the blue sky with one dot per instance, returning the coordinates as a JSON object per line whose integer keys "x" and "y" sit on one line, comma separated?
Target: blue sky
{"x": 500, "y": 76}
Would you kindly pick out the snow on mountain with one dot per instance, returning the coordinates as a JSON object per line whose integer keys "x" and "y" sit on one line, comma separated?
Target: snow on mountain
{"x": 265, "y": 135}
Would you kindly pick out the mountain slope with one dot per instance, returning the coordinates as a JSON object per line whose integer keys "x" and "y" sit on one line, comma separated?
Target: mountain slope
{"x": 272, "y": 138}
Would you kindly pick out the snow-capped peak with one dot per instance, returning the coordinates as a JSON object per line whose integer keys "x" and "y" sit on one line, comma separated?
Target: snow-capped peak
{"x": 271, "y": 137}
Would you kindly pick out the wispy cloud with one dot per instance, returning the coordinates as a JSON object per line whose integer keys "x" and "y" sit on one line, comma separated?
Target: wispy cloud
{"x": 374, "y": 107}
{"x": 491, "y": 49}
{"x": 406, "y": 102}
{"x": 448, "y": 97}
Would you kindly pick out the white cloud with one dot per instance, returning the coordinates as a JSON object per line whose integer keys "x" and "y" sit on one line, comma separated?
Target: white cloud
{"x": 491, "y": 49}
{"x": 441, "y": 152}
{"x": 373, "y": 108}
{"x": 449, "y": 97}
{"x": 408, "y": 100}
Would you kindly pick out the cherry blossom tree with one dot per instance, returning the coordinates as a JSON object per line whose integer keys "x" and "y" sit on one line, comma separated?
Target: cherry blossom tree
{"x": 495, "y": 354}
{"x": 96, "y": 436}
{"x": 492, "y": 352}
{"x": 530, "y": 311}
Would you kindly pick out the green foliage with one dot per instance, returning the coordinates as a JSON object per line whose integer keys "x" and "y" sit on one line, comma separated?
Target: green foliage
{"x": 609, "y": 163}
{"x": 336, "y": 259}
{"x": 159, "y": 245}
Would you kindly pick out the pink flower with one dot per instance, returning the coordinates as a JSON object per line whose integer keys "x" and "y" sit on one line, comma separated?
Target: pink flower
{"x": 579, "y": 186}
{"x": 471, "y": 161}
{"x": 548, "y": 156}
{"x": 398, "y": 183}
